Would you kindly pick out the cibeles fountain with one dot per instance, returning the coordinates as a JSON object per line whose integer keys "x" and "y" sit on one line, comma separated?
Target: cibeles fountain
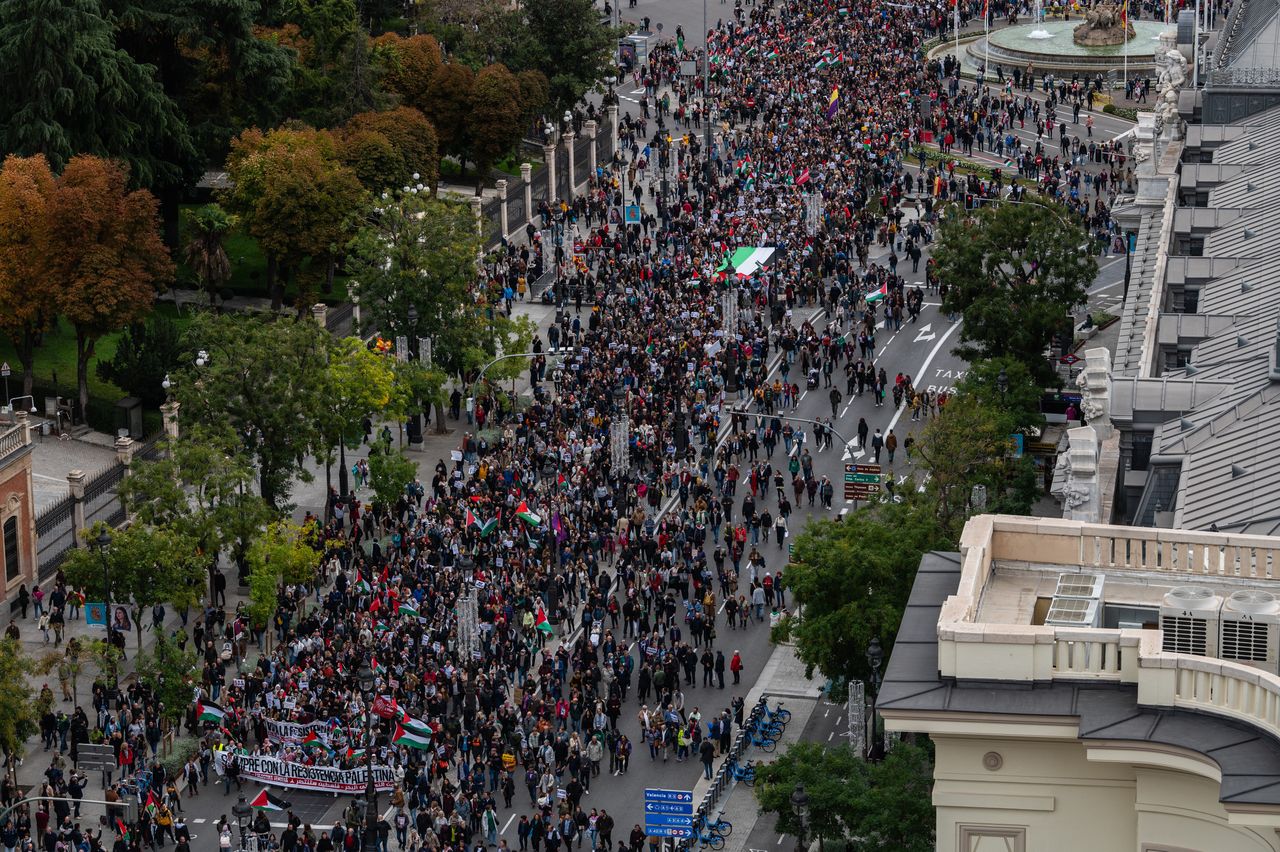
{"x": 1088, "y": 46}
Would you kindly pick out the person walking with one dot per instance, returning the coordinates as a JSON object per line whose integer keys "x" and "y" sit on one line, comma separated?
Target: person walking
{"x": 863, "y": 431}
{"x": 891, "y": 445}
{"x": 707, "y": 751}
{"x": 877, "y": 444}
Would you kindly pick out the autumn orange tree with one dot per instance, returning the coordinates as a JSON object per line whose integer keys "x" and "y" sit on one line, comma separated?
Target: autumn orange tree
{"x": 449, "y": 106}
{"x": 409, "y": 65}
{"x": 410, "y": 134}
{"x": 106, "y": 260}
{"x": 298, "y": 199}
{"x": 27, "y": 303}
{"x": 494, "y": 124}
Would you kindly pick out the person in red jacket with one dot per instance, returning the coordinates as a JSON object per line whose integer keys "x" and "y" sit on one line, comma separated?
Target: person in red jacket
{"x": 735, "y": 666}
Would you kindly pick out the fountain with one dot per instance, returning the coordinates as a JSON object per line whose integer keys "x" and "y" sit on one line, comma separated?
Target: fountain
{"x": 1098, "y": 44}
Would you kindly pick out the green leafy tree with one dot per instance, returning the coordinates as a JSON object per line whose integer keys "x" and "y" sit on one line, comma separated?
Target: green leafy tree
{"x": 389, "y": 472}
{"x": 448, "y": 107}
{"x": 19, "y": 717}
{"x": 412, "y": 137}
{"x": 106, "y": 658}
{"x": 420, "y": 253}
{"x": 535, "y": 93}
{"x": 145, "y": 566}
{"x": 199, "y": 486}
{"x": 574, "y": 48}
{"x": 265, "y": 382}
{"x": 67, "y": 88}
{"x": 1014, "y": 271}
{"x": 970, "y": 444}
{"x": 283, "y": 554}
{"x": 69, "y": 664}
{"x": 170, "y": 672}
{"x": 144, "y": 355}
{"x": 852, "y": 579}
{"x": 1018, "y": 402}
{"x": 360, "y": 384}
{"x": 204, "y": 253}
{"x": 885, "y": 806}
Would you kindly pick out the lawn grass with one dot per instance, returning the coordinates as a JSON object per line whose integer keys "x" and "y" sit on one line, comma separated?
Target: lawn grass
{"x": 248, "y": 267}
{"x": 55, "y": 359}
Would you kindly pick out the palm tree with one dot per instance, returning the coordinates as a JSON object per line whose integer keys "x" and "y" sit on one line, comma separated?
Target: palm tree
{"x": 204, "y": 252}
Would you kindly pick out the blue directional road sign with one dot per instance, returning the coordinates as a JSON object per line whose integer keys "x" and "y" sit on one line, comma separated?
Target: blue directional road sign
{"x": 668, "y": 813}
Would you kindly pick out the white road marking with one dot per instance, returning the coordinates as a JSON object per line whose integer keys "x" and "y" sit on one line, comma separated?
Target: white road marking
{"x": 508, "y": 825}
{"x": 924, "y": 368}
{"x": 830, "y": 735}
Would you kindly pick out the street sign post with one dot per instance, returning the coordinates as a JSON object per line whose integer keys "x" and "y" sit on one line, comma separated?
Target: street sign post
{"x": 861, "y": 481}
{"x": 668, "y": 813}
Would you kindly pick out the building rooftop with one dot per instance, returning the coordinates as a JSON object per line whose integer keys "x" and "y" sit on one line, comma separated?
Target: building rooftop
{"x": 978, "y": 637}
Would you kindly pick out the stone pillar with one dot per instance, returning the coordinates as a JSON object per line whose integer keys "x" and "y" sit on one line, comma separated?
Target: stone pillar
{"x": 320, "y": 313}
{"x": 591, "y": 129}
{"x": 569, "y": 139}
{"x": 23, "y": 421}
{"x": 549, "y": 154}
{"x": 613, "y": 129}
{"x": 1095, "y": 384}
{"x": 1075, "y": 479}
{"x": 169, "y": 412}
{"x": 124, "y": 452}
{"x": 502, "y": 205}
{"x": 526, "y": 176}
{"x": 75, "y": 479}
{"x": 475, "y": 211}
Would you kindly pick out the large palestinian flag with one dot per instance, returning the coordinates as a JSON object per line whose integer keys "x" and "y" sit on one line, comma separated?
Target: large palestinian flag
{"x": 207, "y": 711}
{"x": 267, "y": 802}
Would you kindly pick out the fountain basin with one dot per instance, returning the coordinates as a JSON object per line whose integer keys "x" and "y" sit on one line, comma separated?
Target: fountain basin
{"x": 1048, "y": 47}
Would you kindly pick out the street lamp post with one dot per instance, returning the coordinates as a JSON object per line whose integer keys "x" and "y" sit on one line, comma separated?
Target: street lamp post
{"x": 1002, "y": 383}
{"x": 800, "y": 807}
{"x": 104, "y": 542}
{"x": 414, "y": 426}
{"x": 365, "y": 676}
{"x": 241, "y": 811}
{"x": 875, "y": 657}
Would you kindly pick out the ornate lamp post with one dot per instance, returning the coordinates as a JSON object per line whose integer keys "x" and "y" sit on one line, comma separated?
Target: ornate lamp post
{"x": 875, "y": 657}
{"x": 366, "y": 678}
{"x": 800, "y": 807}
{"x": 242, "y": 812}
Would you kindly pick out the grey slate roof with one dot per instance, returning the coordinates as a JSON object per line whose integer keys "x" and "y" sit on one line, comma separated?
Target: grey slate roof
{"x": 1249, "y": 759}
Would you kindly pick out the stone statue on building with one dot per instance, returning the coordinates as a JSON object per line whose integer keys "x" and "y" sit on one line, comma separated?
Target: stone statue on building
{"x": 1172, "y": 73}
{"x": 1075, "y": 477}
{"x": 1103, "y": 25}
{"x": 1094, "y": 383}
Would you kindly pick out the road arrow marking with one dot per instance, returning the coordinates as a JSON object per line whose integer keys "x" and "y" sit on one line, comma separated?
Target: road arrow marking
{"x": 926, "y": 333}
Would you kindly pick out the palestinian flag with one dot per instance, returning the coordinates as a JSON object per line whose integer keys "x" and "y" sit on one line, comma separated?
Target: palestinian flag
{"x": 122, "y": 830}
{"x": 412, "y": 739}
{"x": 803, "y": 178}
{"x": 151, "y": 806}
{"x": 354, "y": 753}
{"x": 878, "y": 295}
{"x": 207, "y": 711}
{"x": 362, "y": 585}
{"x": 381, "y": 627}
{"x": 415, "y": 726}
{"x": 540, "y": 620}
{"x": 267, "y": 802}
{"x": 488, "y": 527}
{"x": 312, "y": 741}
{"x": 377, "y": 667}
{"x": 530, "y": 518}
{"x": 408, "y": 608}
{"x": 471, "y": 519}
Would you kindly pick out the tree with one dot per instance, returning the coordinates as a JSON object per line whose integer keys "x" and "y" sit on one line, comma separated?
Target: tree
{"x": 494, "y": 125}
{"x": 263, "y": 381}
{"x": 27, "y": 297}
{"x": 106, "y": 657}
{"x": 448, "y": 107}
{"x": 66, "y": 88}
{"x": 410, "y": 64}
{"x": 535, "y": 92}
{"x": 110, "y": 259}
{"x": 1014, "y": 271}
{"x": 852, "y": 579}
{"x": 282, "y": 555}
{"x": 169, "y": 672}
{"x": 967, "y": 445}
{"x": 886, "y": 806}
{"x": 19, "y": 718}
{"x": 419, "y": 253}
{"x": 833, "y": 778}
{"x": 145, "y": 354}
{"x": 376, "y": 162}
{"x": 204, "y": 252}
{"x": 69, "y": 664}
{"x": 360, "y": 384}
{"x": 412, "y": 136}
{"x": 297, "y": 199}
{"x": 1018, "y": 403}
{"x": 199, "y": 486}
{"x": 574, "y": 48}
{"x": 145, "y": 566}
{"x": 389, "y": 473}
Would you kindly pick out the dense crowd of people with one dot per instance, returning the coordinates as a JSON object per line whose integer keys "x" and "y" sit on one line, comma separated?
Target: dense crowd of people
{"x": 603, "y": 590}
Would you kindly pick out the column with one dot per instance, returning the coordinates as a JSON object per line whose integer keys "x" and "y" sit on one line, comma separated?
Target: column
{"x": 613, "y": 129}
{"x": 502, "y": 205}
{"x": 75, "y": 479}
{"x": 475, "y": 211}
{"x": 549, "y": 156}
{"x": 124, "y": 455}
{"x": 169, "y": 411}
{"x": 526, "y": 176}
{"x": 320, "y": 313}
{"x": 591, "y": 128}
{"x": 569, "y": 139}
{"x": 23, "y": 421}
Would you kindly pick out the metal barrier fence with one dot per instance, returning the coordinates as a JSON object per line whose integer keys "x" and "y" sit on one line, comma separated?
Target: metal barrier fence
{"x": 723, "y": 779}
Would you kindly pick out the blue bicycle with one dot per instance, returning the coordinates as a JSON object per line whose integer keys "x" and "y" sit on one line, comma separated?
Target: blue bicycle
{"x": 744, "y": 772}
{"x": 780, "y": 715}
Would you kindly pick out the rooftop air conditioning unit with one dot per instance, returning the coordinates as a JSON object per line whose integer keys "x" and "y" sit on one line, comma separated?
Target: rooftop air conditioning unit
{"x": 1079, "y": 586}
{"x": 1250, "y": 630}
{"x": 1074, "y": 612}
{"x": 1189, "y": 618}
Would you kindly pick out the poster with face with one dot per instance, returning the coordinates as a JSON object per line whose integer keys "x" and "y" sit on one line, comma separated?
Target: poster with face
{"x": 120, "y": 619}
{"x": 95, "y": 614}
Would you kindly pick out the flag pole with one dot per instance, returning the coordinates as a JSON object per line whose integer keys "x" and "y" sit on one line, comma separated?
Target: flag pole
{"x": 986, "y": 45}
{"x": 1125, "y": 33}
{"x": 955, "y": 9}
